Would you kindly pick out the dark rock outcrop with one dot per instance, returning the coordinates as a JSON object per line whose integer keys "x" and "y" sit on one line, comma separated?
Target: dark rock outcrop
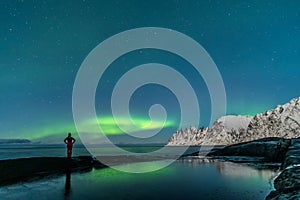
{"x": 287, "y": 184}
{"x": 16, "y": 170}
{"x": 271, "y": 149}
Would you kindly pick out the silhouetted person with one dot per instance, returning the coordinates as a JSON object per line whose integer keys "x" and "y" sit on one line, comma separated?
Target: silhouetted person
{"x": 69, "y": 141}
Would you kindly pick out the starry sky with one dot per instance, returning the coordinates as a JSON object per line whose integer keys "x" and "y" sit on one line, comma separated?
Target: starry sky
{"x": 255, "y": 45}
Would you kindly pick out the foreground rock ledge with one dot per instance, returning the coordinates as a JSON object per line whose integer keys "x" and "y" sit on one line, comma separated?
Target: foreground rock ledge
{"x": 12, "y": 171}
{"x": 287, "y": 184}
{"x": 271, "y": 149}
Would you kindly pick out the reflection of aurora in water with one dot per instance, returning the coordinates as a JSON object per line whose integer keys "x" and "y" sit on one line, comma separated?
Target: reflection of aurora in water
{"x": 184, "y": 179}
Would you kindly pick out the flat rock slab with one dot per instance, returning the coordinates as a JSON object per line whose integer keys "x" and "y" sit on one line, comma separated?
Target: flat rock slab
{"x": 272, "y": 149}
{"x": 16, "y": 170}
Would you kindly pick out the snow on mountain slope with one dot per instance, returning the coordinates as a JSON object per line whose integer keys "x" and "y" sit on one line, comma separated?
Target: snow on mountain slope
{"x": 231, "y": 122}
{"x": 217, "y": 134}
{"x": 282, "y": 121}
{"x": 227, "y": 130}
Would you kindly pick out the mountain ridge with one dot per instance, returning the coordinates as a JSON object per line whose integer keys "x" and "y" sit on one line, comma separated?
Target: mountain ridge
{"x": 282, "y": 121}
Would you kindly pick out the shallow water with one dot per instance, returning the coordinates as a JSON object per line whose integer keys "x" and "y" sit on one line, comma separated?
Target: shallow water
{"x": 184, "y": 179}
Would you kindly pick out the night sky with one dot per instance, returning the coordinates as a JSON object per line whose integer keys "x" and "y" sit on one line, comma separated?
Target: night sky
{"x": 255, "y": 45}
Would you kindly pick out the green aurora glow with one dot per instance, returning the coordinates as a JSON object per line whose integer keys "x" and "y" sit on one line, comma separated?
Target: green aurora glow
{"x": 255, "y": 45}
{"x": 107, "y": 123}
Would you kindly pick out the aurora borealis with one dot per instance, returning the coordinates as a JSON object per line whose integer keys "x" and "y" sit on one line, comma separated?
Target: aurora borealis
{"x": 255, "y": 45}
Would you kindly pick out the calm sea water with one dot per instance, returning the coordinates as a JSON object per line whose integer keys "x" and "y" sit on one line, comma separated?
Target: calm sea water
{"x": 184, "y": 179}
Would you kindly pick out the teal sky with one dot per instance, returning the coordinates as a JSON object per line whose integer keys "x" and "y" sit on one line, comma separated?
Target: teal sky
{"x": 255, "y": 45}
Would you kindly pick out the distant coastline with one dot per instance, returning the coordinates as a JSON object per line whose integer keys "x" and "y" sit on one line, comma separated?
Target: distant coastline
{"x": 14, "y": 141}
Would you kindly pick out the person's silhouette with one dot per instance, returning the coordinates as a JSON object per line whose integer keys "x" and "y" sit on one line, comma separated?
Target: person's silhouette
{"x": 69, "y": 141}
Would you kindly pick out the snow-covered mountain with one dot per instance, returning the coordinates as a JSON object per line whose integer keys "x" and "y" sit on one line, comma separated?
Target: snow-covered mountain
{"x": 225, "y": 130}
{"x": 282, "y": 121}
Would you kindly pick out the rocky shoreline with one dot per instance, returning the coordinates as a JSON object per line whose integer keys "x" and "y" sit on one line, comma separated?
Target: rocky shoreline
{"x": 269, "y": 150}
{"x": 272, "y": 152}
{"x": 23, "y": 169}
{"x": 287, "y": 184}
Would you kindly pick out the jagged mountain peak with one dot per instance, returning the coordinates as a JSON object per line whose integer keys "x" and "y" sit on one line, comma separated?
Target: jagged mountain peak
{"x": 282, "y": 121}
{"x": 234, "y": 121}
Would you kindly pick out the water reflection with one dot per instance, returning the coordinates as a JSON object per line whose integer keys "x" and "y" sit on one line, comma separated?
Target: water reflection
{"x": 68, "y": 183}
{"x": 242, "y": 170}
{"x": 196, "y": 161}
{"x": 185, "y": 179}
{"x": 230, "y": 168}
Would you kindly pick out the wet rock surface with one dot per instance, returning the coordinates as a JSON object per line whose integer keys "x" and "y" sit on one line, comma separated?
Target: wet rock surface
{"x": 287, "y": 184}
{"x": 12, "y": 171}
{"x": 266, "y": 149}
